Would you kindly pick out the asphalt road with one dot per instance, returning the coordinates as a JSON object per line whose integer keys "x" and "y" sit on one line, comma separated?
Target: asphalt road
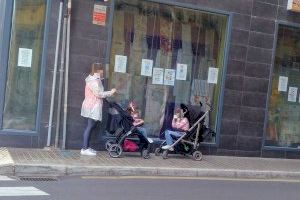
{"x": 153, "y": 188}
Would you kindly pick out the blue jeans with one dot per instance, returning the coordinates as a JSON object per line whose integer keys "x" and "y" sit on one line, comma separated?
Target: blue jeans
{"x": 142, "y": 131}
{"x": 169, "y": 134}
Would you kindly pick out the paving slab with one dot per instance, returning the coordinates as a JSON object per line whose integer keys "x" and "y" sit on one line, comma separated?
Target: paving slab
{"x": 52, "y": 162}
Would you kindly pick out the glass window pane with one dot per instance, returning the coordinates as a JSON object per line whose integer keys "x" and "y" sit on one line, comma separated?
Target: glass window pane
{"x": 23, "y": 73}
{"x": 167, "y": 35}
{"x": 284, "y": 108}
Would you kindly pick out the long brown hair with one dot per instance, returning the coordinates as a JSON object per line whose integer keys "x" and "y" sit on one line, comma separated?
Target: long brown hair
{"x": 95, "y": 67}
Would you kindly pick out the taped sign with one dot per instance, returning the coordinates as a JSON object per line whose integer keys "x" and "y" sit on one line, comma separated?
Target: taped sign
{"x": 99, "y": 15}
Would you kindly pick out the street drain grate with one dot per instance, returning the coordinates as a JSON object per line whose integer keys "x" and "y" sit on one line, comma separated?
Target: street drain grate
{"x": 38, "y": 179}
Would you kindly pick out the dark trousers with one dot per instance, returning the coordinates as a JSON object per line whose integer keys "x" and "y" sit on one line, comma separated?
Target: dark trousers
{"x": 91, "y": 124}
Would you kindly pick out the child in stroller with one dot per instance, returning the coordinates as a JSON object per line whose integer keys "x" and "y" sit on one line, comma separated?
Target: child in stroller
{"x": 128, "y": 138}
{"x": 137, "y": 121}
{"x": 187, "y": 142}
{"x": 180, "y": 124}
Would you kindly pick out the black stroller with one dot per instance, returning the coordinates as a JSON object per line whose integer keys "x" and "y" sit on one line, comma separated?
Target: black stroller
{"x": 127, "y": 137}
{"x": 189, "y": 142}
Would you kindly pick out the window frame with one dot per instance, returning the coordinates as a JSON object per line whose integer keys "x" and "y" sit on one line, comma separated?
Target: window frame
{"x": 4, "y": 54}
{"x": 198, "y": 8}
{"x": 264, "y": 146}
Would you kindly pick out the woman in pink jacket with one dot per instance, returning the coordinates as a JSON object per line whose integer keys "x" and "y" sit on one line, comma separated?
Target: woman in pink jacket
{"x": 92, "y": 105}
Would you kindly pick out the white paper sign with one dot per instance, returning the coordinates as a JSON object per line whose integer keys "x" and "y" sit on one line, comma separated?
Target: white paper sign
{"x": 169, "y": 78}
{"x": 120, "y": 63}
{"x": 292, "y": 96}
{"x": 146, "y": 69}
{"x": 158, "y": 76}
{"x": 283, "y": 83}
{"x": 213, "y": 75}
{"x": 24, "y": 57}
{"x": 181, "y": 71}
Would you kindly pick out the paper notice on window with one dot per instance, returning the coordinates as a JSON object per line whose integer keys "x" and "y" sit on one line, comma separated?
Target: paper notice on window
{"x": 213, "y": 75}
{"x": 181, "y": 72}
{"x": 158, "y": 76}
{"x": 169, "y": 77}
{"x": 283, "y": 83}
{"x": 146, "y": 69}
{"x": 24, "y": 57}
{"x": 120, "y": 63}
{"x": 292, "y": 95}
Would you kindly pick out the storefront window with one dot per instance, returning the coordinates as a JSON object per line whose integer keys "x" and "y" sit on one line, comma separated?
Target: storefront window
{"x": 162, "y": 56}
{"x": 284, "y": 109}
{"x": 23, "y": 72}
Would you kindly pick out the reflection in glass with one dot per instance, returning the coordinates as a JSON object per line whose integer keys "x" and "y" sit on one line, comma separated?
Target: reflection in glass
{"x": 23, "y": 73}
{"x": 168, "y": 35}
{"x": 284, "y": 109}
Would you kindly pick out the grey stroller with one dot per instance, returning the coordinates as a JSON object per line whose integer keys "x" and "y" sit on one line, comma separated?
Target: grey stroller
{"x": 189, "y": 142}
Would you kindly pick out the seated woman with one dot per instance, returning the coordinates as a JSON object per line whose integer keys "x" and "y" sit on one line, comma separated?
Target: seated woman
{"x": 138, "y": 122}
{"x": 180, "y": 124}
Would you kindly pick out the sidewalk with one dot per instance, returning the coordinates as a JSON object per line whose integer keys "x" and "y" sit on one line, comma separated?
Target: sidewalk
{"x": 39, "y": 162}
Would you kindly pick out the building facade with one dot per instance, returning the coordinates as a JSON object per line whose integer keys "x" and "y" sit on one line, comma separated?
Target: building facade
{"x": 240, "y": 56}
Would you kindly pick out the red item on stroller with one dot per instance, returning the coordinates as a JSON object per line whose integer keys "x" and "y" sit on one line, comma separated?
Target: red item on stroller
{"x": 130, "y": 146}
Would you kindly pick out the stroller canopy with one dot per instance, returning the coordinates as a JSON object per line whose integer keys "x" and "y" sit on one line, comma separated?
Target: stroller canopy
{"x": 193, "y": 113}
{"x": 126, "y": 120}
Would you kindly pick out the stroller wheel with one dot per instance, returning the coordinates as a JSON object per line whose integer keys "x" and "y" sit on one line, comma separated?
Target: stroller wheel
{"x": 108, "y": 143}
{"x": 115, "y": 150}
{"x": 165, "y": 154}
{"x": 157, "y": 151}
{"x": 145, "y": 153}
{"x": 197, "y": 155}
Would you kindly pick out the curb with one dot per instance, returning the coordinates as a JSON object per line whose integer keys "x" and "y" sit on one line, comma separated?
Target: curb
{"x": 39, "y": 170}
{"x": 67, "y": 170}
{"x": 7, "y": 169}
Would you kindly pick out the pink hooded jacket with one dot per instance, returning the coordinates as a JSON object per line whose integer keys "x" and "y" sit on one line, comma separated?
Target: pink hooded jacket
{"x": 94, "y": 93}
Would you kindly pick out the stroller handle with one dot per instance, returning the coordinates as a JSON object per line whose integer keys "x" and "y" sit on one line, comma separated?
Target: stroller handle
{"x": 106, "y": 101}
{"x": 207, "y": 103}
{"x": 210, "y": 106}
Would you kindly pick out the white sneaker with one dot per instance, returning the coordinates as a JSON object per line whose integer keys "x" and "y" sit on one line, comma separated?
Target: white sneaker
{"x": 165, "y": 147}
{"x": 168, "y": 147}
{"x": 150, "y": 140}
{"x": 87, "y": 152}
{"x": 92, "y": 150}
